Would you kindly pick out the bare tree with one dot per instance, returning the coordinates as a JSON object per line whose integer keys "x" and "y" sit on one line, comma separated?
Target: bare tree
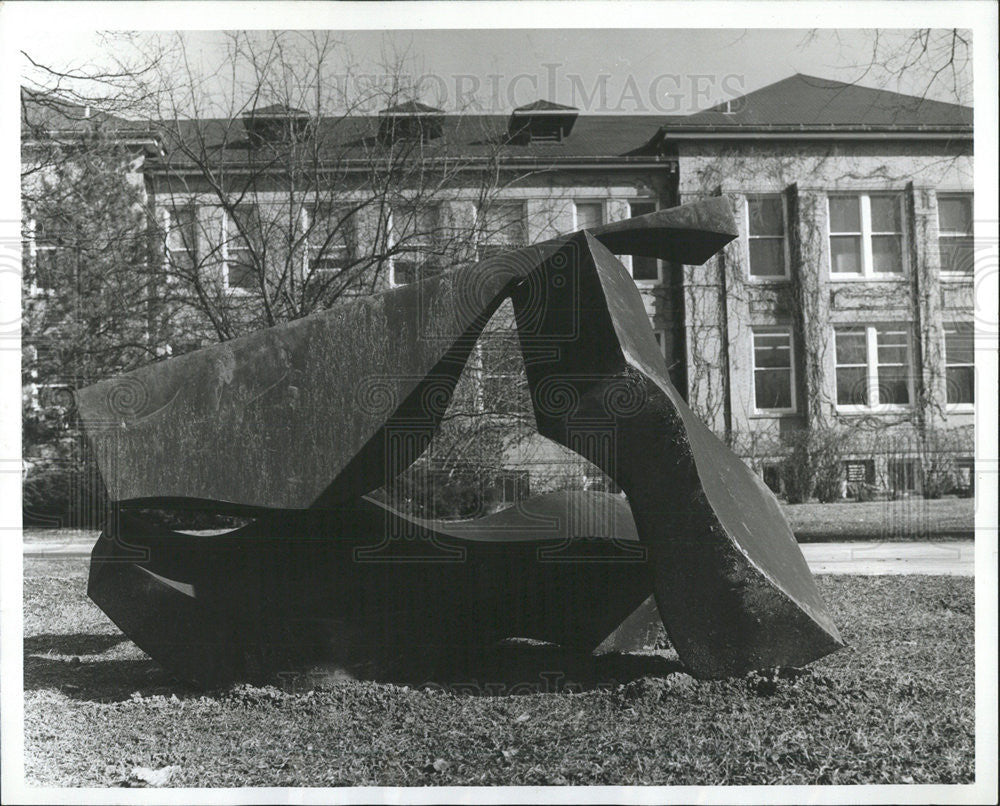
{"x": 275, "y": 193}
{"x": 923, "y": 62}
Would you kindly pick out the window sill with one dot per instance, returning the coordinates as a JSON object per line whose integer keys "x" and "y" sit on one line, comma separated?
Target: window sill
{"x": 868, "y": 278}
{"x": 867, "y": 411}
{"x": 957, "y": 277}
{"x": 960, "y": 408}
{"x": 775, "y": 414}
{"x": 768, "y": 280}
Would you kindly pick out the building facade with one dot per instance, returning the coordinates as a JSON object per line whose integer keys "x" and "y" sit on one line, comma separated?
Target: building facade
{"x": 844, "y": 305}
{"x": 847, "y": 301}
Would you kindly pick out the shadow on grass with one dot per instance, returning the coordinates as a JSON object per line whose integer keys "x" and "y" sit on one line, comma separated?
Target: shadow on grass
{"x": 76, "y": 664}
{"x": 85, "y": 667}
{"x": 79, "y": 643}
{"x": 508, "y": 668}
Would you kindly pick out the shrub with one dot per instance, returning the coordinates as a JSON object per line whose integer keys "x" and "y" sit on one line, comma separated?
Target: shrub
{"x": 939, "y": 471}
{"x": 60, "y": 493}
{"x": 814, "y": 465}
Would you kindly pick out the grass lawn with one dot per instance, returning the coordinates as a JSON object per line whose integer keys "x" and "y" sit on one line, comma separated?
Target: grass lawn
{"x": 904, "y": 519}
{"x": 895, "y": 707}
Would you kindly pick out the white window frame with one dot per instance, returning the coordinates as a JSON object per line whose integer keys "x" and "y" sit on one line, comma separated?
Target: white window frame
{"x": 627, "y": 259}
{"x": 226, "y": 237}
{"x": 33, "y": 249}
{"x": 871, "y": 368}
{"x": 479, "y": 238}
{"x": 165, "y": 218}
{"x": 661, "y": 340}
{"x": 957, "y": 407}
{"x": 483, "y": 372}
{"x": 417, "y": 244}
{"x": 576, "y": 213}
{"x": 867, "y": 257}
{"x": 906, "y": 467}
{"x": 168, "y": 228}
{"x": 770, "y": 330}
{"x": 953, "y": 233}
{"x": 35, "y": 289}
{"x": 775, "y": 278}
{"x": 306, "y": 218}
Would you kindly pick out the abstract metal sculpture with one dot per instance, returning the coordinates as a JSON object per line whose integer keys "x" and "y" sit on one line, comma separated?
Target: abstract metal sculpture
{"x": 296, "y": 424}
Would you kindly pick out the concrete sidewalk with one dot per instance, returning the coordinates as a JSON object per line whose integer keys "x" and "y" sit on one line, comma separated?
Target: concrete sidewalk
{"x": 953, "y": 558}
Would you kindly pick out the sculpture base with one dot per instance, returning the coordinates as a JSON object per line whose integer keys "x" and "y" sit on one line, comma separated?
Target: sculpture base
{"x": 366, "y": 585}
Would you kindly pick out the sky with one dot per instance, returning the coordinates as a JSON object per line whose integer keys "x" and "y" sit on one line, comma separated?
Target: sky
{"x": 624, "y": 71}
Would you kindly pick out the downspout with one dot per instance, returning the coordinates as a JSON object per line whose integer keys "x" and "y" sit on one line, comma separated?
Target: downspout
{"x": 727, "y": 394}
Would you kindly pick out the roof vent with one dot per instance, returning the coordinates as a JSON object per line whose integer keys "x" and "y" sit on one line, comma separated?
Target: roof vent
{"x": 276, "y": 123}
{"x": 727, "y": 108}
{"x": 541, "y": 121}
{"x": 411, "y": 120}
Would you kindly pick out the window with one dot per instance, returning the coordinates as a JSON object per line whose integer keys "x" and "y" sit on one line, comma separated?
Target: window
{"x": 902, "y": 475}
{"x": 500, "y": 382}
{"x": 960, "y": 370}
{"x": 866, "y": 236}
{"x": 966, "y": 481}
{"x": 766, "y": 237}
{"x": 873, "y": 366}
{"x": 51, "y": 235}
{"x": 599, "y": 482}
{"x": 640, "y": 267}
{"x": 501, "y": 227}
{"x": 859, "y": 472}
{"x": 415, "y": 229}
{"x": 513, "y": 486}
{"x": 771, "y": 474}
{"x": 955, "y": 233}
{"x": 330, "y": 239}
{"x": 773, "y": 370}
{"x": 244, "y": 230}
{"x": 661, "y": 341}
{"x": 588, "y": 215}
{"x": 182, "y": 236}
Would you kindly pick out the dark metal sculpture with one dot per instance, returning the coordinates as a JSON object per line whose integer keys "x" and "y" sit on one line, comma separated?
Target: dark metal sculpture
{"x": 294, "y": 425}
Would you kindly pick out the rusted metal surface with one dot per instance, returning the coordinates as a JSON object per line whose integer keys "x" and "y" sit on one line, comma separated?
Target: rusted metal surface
{"x": 295, "y": 424}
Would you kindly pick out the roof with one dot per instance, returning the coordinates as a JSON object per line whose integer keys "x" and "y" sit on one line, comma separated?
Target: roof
{"x": 47, "y": 116}
{"x": 277, "y": 111}
{"x": 594, "y": 137}
{"x": 798, "y": 106}
{"x": 50, "y": 112}
{"x": 807, "y": 102}
{"x": 544, "y": 106}
{"x": 411, "y": 108}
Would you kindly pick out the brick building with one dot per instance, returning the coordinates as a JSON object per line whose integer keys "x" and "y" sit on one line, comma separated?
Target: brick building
{"x": 845, "y": 302}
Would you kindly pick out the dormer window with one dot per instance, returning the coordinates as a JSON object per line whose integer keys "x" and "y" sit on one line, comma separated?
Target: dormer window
{"x": 541, "y": 122}
{"x": 410, "y": 121}
{"x": 277, "y": 123}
